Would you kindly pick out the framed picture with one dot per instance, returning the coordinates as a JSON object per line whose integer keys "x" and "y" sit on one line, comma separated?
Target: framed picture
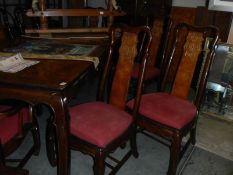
{"x": 221, "y": 5}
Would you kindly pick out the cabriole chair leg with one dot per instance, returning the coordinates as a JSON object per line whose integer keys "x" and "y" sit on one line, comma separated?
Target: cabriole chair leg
{"x": 174, "y": 154}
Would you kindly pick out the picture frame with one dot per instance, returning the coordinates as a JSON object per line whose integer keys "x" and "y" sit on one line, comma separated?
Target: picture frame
{"x": 221, "y": 5}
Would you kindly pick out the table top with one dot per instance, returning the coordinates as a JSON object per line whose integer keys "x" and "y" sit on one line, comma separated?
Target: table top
{"x": 51, "y": 74}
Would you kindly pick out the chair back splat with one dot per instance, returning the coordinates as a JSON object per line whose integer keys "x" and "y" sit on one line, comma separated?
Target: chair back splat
{"x": 194, "y": 56}
{"x": 172, "y": 113}
{"x": 127, "y": 55}
{"x": 154, "y": 71}
{"x": 98, "y": 128}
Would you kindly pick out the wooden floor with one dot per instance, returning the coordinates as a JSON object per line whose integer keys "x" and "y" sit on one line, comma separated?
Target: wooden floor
{"x": 215, "y": 135}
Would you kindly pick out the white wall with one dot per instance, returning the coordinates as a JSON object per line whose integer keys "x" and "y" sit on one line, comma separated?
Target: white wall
{"x": 188, "y": 3}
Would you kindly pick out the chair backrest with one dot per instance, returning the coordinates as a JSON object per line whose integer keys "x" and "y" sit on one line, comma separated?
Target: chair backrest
{"x": 8, "y": 21}
{"x": 23, "y": 21}
{"x": 128, "y": 38}
{"x": 156, "y": 43}
{"x": 160, "y": 30}
{"x": 19, "y": 15}
{"x": 13, "y": 22}
{"x": 189, "y": 49}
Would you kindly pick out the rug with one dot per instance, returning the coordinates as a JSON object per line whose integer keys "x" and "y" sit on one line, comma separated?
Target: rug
{"x": 215, "y": 136}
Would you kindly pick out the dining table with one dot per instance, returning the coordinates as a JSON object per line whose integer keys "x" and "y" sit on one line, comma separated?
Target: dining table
{"x": 52, "y": 82}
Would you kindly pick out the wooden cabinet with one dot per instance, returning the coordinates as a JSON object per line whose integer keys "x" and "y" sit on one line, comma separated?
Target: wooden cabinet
{"x": 201, "y": 16}
{"x": 220, "y": 19}
{"x": 139, "y": 10}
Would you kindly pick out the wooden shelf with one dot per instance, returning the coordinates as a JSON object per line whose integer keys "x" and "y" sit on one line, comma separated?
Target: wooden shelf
{"x": 44, "y": 13}
{"x": 67, "y": 30}
{"x": 75, "y": 12}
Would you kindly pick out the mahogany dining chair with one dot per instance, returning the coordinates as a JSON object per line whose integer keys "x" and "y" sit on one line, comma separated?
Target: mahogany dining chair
{"x": 98, "y": 128}
{"x": 172, "y": 113}
{"x": 16, "y": 120}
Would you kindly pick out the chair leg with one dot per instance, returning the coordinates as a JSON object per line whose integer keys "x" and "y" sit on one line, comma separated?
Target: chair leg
{"x": 193, "y": 135}
{"x": 2, "y": 158}
{"x": 35, "y": 149}
{"x": 99, "y": 163}
{"x": 174, "y": 154}
{"x": 36, "y": 137}
{"x": 133, "y": 143}
{"x": 51, "y": 147}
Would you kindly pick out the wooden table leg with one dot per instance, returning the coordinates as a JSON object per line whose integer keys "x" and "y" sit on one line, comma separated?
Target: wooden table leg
{"x": 60, "y": 112}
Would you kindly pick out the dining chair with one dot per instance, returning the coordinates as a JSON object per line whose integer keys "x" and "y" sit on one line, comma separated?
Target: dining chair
{"x": 98, "y": 128}
{"x": 19, "y": 17}
{"x": 8, "y": 22}
{"x": 160, "y": 30}
{"x": 172, "y": 113}
{"x": 22, "y": 21}
{"x": 16, "y": 120}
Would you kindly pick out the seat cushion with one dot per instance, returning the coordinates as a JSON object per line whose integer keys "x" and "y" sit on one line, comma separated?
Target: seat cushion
{"x": 151, "y": 72}
{"x": 98, "y": 123}
{"x": 9, "y": 126}
{"x": 166, "y": 109}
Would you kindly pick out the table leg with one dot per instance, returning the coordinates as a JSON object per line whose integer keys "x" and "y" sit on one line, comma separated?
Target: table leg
{"x": 61, "y": 112}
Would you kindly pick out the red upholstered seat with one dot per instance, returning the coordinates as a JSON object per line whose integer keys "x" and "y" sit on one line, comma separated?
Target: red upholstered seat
{"x": 9, "y": 126}
{"x": 152, "y": 72}
{"x": 98, "y": 123}
{"x": 16, "y": 120}
{"x": 166, "y": 109}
